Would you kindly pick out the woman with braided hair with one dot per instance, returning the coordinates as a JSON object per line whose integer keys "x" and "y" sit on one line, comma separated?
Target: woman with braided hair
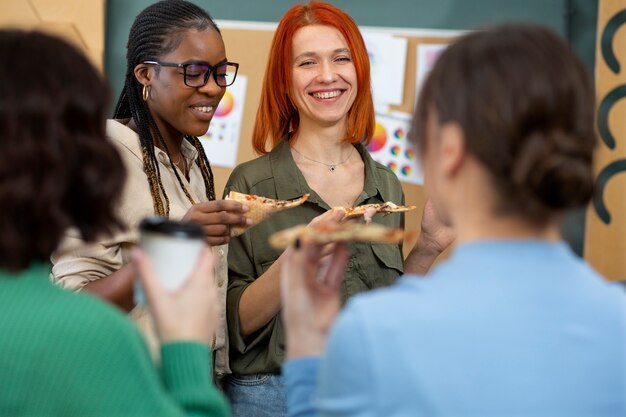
{"x": 177, "y": 73}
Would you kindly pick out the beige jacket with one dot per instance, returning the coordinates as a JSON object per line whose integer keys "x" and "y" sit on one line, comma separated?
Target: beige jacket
{"x": 75, "y": 263}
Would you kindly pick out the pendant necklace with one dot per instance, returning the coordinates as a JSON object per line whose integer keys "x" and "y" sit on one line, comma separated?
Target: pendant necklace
{"x": 331, "y": 167}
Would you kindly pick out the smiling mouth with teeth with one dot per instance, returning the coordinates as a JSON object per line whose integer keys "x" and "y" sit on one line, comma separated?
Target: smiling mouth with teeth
{"x": 327, "y": 94}
{"x": 204, "y": 109}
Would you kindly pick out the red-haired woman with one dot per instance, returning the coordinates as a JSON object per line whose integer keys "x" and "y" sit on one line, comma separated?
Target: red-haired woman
{"x": 316, "y": 111}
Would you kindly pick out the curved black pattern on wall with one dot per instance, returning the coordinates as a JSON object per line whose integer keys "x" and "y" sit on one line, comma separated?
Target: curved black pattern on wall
{"x": 606, "y": 44}
{"x": 607, "y": 103}
{"x": 602, "y": 117}
{"x": 605, "y": 175}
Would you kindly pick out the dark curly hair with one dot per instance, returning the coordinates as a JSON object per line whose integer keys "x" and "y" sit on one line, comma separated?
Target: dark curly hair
{"x": 156, "y": 31}
{"x": 57, "y": 170}
{"x": 525, "y": 103}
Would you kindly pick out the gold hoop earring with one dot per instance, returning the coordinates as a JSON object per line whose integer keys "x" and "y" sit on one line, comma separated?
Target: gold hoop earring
{"x": 145, "y": 92}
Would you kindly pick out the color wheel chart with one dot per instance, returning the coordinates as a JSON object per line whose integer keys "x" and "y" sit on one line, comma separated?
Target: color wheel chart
{"x": 221, "y": 142}
{"x": 390, "y": 147}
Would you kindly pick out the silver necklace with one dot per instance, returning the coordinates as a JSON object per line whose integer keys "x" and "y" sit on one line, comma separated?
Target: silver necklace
{"x": 331, "y": 167}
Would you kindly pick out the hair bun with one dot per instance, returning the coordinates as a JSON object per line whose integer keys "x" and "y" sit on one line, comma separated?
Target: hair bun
{"x": 552, "y": 170}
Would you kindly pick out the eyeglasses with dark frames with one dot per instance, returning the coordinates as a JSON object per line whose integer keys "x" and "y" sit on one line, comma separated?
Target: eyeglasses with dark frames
{"x": 196, "y": 74}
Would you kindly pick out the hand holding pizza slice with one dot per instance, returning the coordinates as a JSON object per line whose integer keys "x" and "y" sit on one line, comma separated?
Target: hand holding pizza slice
{"x": 260, "y": 208}
{"x": 336, "y": 232}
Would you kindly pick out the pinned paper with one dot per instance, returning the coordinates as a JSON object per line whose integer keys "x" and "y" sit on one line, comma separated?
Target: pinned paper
{"x": 221, "y": 142}
{"x": 427, "y": 55}
{"x": 387, "y": 66}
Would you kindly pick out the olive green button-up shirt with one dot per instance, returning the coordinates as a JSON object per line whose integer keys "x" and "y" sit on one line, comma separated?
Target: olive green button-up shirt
{"x": 275, "y": 175}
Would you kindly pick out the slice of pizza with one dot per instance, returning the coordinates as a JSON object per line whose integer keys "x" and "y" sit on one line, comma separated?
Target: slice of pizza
{"x": 260, "y": 208}
{"x": 386, "y": 208}
{"x": 337, "y": 232}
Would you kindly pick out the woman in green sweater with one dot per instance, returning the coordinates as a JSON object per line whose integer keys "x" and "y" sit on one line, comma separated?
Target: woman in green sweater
{"x": 65, "y": 354}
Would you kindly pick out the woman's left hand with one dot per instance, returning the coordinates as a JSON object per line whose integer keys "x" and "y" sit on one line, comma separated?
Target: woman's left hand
{"x": 216, "y": 217}
{"x": 310, "y": 290}
{"x": 189, "y": 313}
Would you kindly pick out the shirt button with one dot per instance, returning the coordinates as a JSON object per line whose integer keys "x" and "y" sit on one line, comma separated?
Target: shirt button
{"x": 350, "y": 264}
{"x": 220, "y": 283}
{"x": 220, "y": 251}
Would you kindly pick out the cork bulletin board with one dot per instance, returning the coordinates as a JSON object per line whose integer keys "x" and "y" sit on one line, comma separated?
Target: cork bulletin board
{"x": 249, "y": 44}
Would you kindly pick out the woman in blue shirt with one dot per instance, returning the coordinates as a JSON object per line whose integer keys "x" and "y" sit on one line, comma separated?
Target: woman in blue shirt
{"x": 513, "y": 323}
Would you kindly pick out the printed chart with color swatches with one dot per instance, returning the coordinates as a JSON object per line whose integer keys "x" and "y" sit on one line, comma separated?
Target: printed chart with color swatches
{"x": 390, "y": 147}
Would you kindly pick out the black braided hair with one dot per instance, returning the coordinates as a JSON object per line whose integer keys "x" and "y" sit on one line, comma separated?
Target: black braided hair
{"x": 156, "y": 31}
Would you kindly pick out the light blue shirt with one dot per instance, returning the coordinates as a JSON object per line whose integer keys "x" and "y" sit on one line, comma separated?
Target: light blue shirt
{"x": 503, "y": 328}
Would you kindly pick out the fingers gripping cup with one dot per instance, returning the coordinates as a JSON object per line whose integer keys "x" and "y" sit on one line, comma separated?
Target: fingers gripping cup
{"x": 173, "y": 248}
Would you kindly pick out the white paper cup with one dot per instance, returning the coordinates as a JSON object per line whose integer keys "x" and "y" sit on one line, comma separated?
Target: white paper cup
{"x": 173, "y": 247}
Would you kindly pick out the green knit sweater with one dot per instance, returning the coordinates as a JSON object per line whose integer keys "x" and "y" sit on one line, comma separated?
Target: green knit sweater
{"x": 66, "y": 354}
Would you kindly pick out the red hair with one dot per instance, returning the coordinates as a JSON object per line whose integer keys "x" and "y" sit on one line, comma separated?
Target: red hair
{"x": 277, "y": 114}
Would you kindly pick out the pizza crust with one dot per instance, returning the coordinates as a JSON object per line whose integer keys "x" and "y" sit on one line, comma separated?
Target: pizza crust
{"x": 388, "y": 207}
{"x": 260, "y": 208}
{"x": 336, "y": 232}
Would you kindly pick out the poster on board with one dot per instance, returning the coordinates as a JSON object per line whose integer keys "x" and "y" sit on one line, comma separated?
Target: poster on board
{"x": 221, "y": 142}
{"x": 387, "y": 56}
{"x": 390, "y": 146}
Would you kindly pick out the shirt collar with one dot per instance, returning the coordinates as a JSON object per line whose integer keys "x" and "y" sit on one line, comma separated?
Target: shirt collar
{"x": 290, "y": 182}
{"x": 130, "y": 139}
{"x": 187, "y": 149}
{"x": 373, "y": 184}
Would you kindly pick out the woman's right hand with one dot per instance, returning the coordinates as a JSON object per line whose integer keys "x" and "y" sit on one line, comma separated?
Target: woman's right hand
{"x": 216, "y": 217}
{"x": 310, "y": 293}
{"x": 260, "y": 301}
{"x": 189, "y": 313}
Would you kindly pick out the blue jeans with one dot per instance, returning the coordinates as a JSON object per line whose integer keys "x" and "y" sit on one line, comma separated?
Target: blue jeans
{"x": 258, "y": 395}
